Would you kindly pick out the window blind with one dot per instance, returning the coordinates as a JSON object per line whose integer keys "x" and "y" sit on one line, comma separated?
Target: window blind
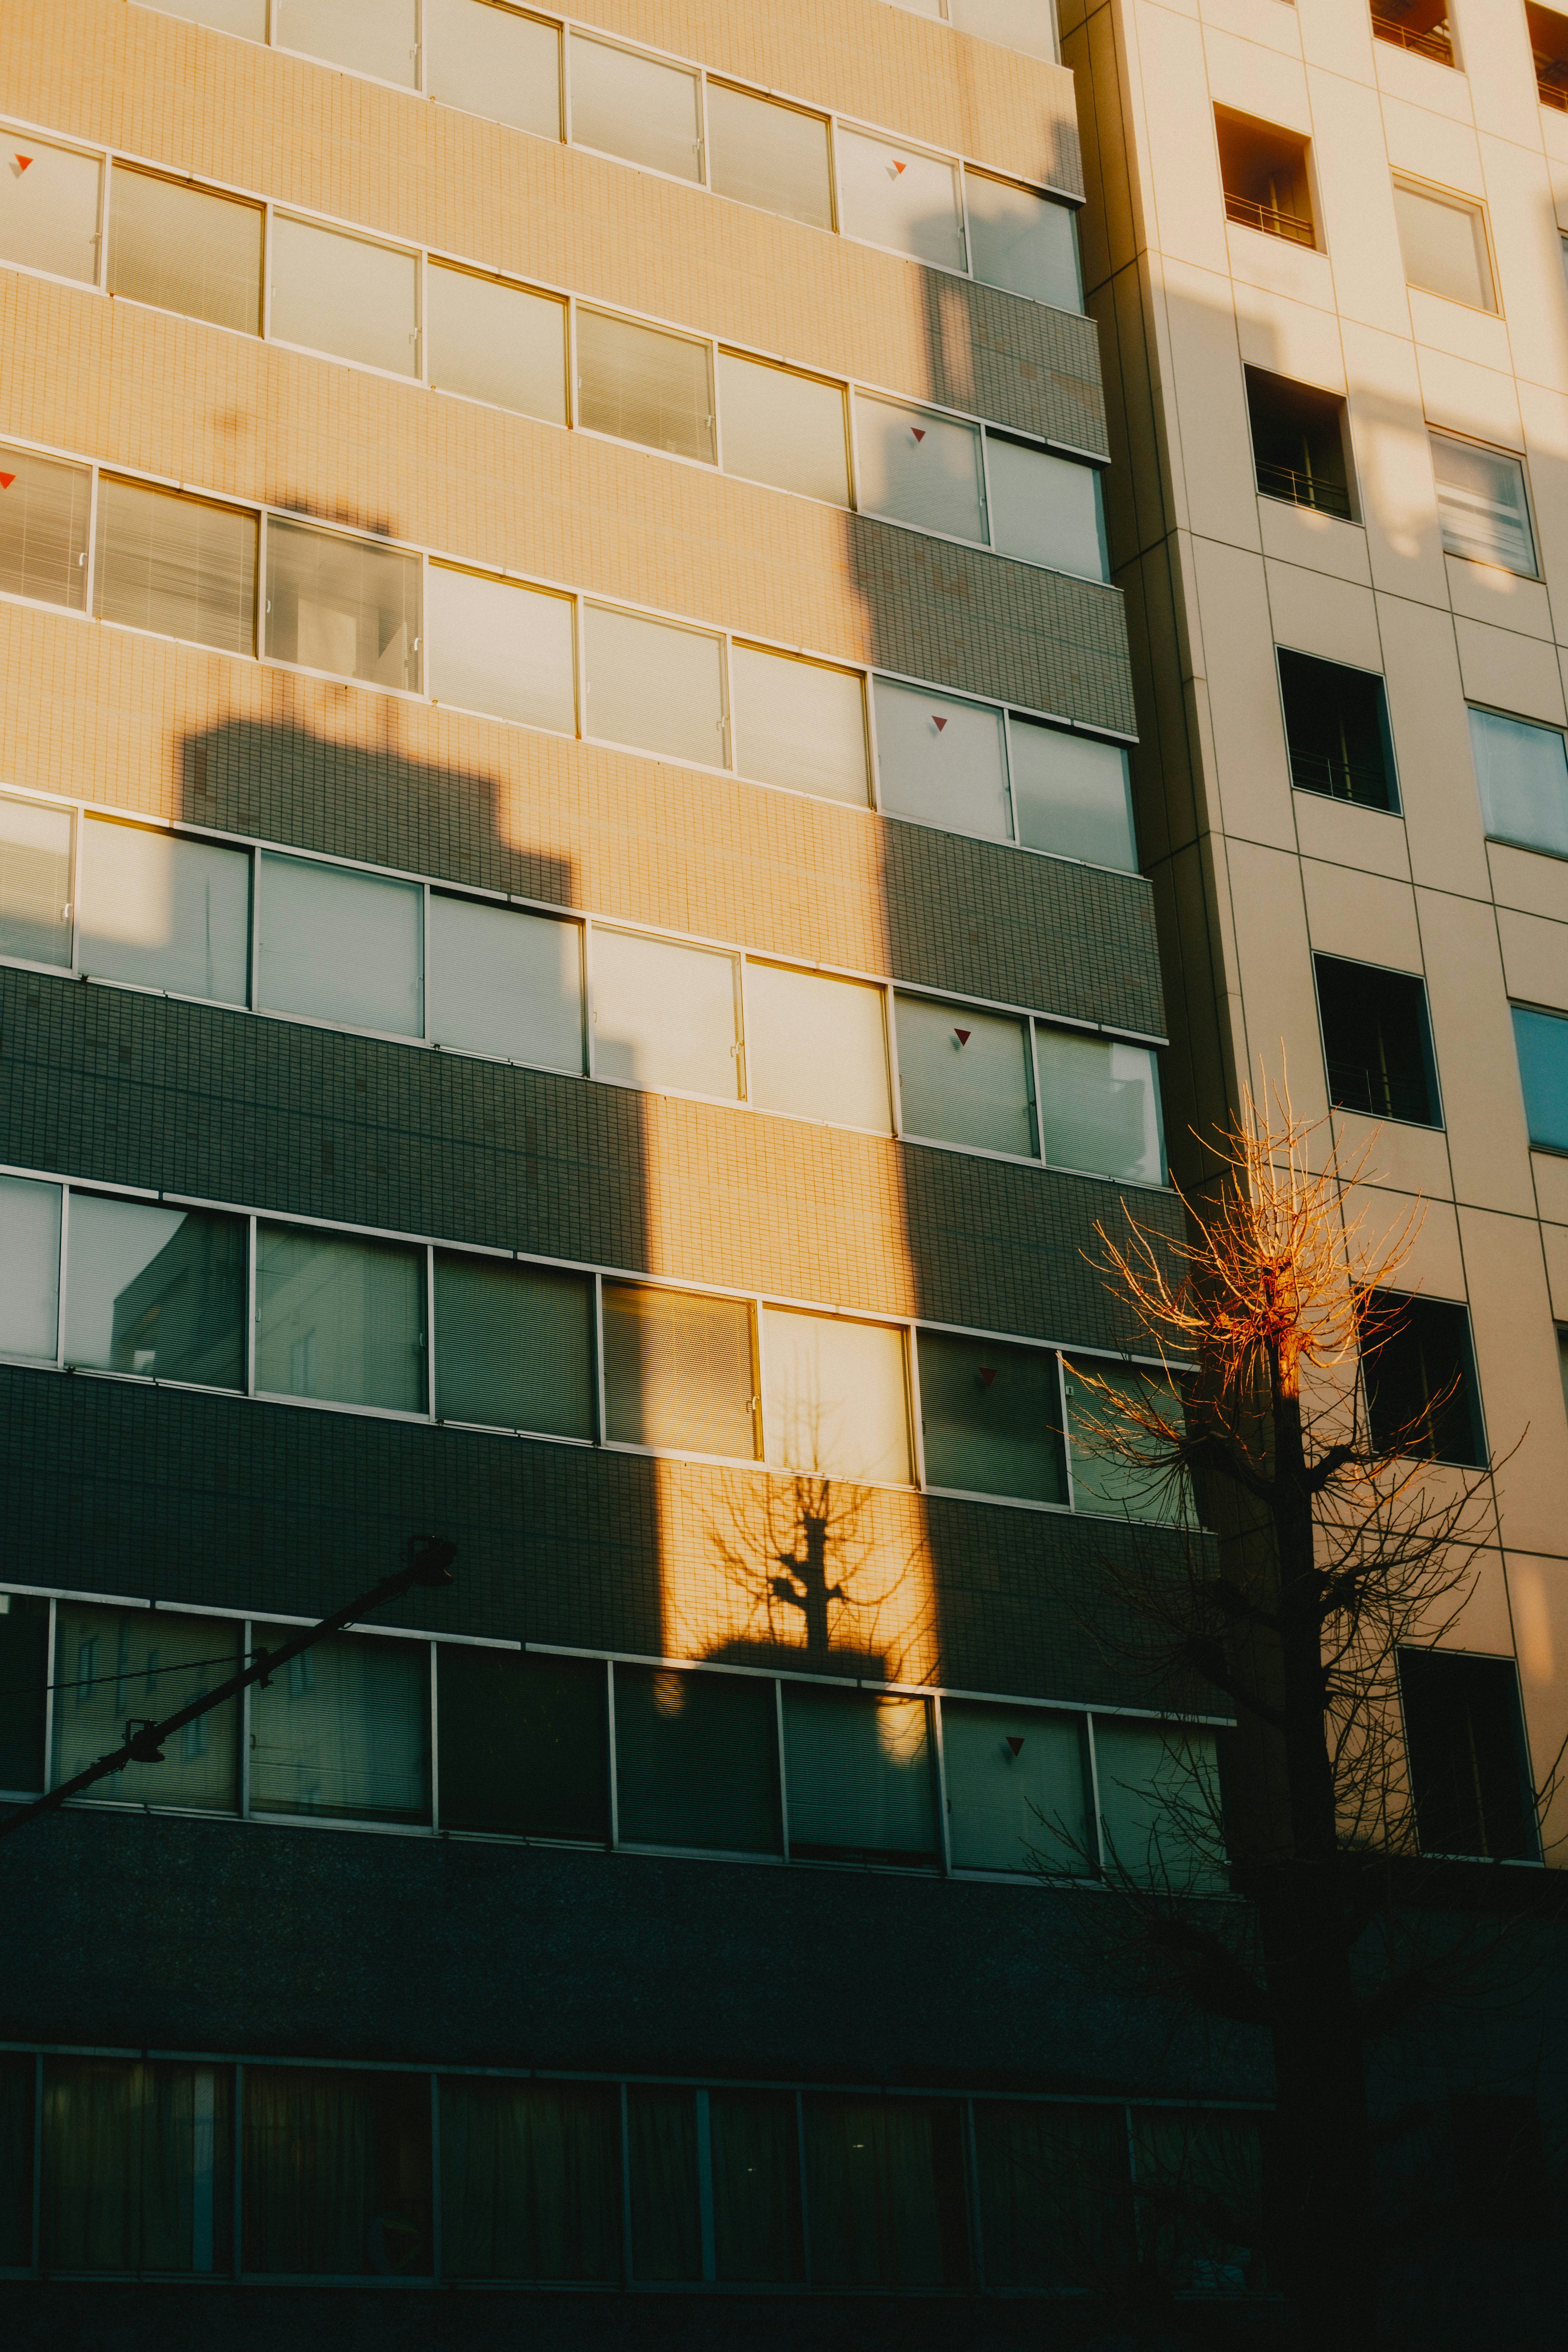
{"x": 504, "y": 982}
{"x": 941, "y": 760}
{"x": 784, "y": 428}
{"x": 768, "y": 155}
{"x": 500, "y": 650}
{"x": 834, "y": 1396}
{"x": 658, "y": 689}
{"x": 184, "y": 249}
{"x": 161, "y": 910}
{"x": 642, "y": 384}
{"x": 496, "y": 342}
{"x": 340, "y": 947}
{"x": 175, "y": 565}
{"x": 344, "y": 295}
{"x": 494, "y": 63}
{"x": 340, "y": 1320}
{"x": 679, "y": 1370}
{"x": 514, "y": 1346}
{"x": 44, "y": 512}
{"x": 635, "y": 106}
{"x": 342, "y": 605}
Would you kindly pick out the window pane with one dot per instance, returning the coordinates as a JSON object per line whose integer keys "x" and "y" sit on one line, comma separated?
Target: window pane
{"x": 163, "y": 910}
{"x": 884, "y": 2185}
{"x": 48, "y": 209}
{"x": 503, "y": 650}
{"x": 531, "y": 2181}
{"x": 1444, "y": 247}
{"x": 368, "y": 36}
{"x": 145, "y": 1663}
{"x": 1073, "y": 795}
{"x": 784, "y": 428}
{"x": 1481, "y": 505}
{"x": 1024, "y": 24}
{"x": 1159, "y": 1804}
{"x": 659, "y": 688}
{"x": 157, "y": 1291}
{"x": 1467, "y": 1760}
{"x": 635, "y": 106}
{"x": 340, "y": 947}
{"x": 1377, "y": 1041}
{"x": 1017, "y": 1789}
{"x": 34, "y": 882}
{"x": 940, "y": 761}
{"x": 800, "y": 724}
{"x": 342, "y": 1730}
{"x": 642, "y": 384}
{"x": 1200, "y": 2198}
{"x": 1046, "y": 509}
{"x": 1023, "y": 242}
{"x": 662, "y": 2180}
{"x": 337, "y": 2172}
{"x": 342, "y": 605}
{"x": 245, "y": 17}
{"x": 835, "y": 1399}
{"x": 1541, "y": 1039}
{"x": 678, "y": 1371}
{"x": 860, "y": 1777}
{"x": 665, "y": 1015}
{"x": 888, "y": 196}
{"x": 815, "y": 1047}
{"x": 697, "y": 1760}
{"x": 991, "y": 1416}
{"x": 770, "y": 156}
{"x": 184, "y": 249}
{"x": 1419, "y": 1370}
{"x": 340, "y": 1320}
{"x": 524, "y": 1743}
{"x": 1055, "y": 2206}
{"x": 1100, "y": 1106}
{"x": 756, "y": 2186}
{"x": 43, "y": 527}
{"x": 919, "y": 467}
{"x": 341, "y": 294}
{"x": 1102, "y": 1481}
{"x": 495, "y": 64}
{"x": 29, "y": 1268}
{"x": 496, "y": 342}
{"x": 1523, "y": 773}
{"x": 503, "y": 982}
{"x": 137, "y": 2171}
{"x": 24, "y": 1672}
{"x": 175, "y": 565}
{"x": 963, "y": 1077}
{"x": 514, "y": 1346}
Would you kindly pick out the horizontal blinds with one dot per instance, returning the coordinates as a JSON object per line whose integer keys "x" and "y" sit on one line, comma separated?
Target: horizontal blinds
{"x": 784, "y": 428}
{"x": 495, "y": 63}
{"x": 164, "y": 910}
{"x": 44, "y": 509}
{"x": 344, "y": 295}
{"x": 342, "y": 605}
{"x": 642, "y": 384}
{"x": 800, "y": 724}
{"x": 184, "y": 249}
{"x": 636, "y": 107}
{"x": 503, "y": 649}
{"x": 176, "y": 565}
{"x": 771, "y": 156}
{"x": 496, "y": 342}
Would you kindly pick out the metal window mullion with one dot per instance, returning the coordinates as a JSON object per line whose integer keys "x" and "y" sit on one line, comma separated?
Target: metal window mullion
{"x": 701, "y": 80}
{"x": 435, "y": 1743}
{"x": 1062, "y": 1412}
{"x": 421, "y": 312}
{"x": 989, "y": 538}
{"x": 713, "y": 396}
{"x": 1035, "y": 1111}
{"x": 759, "y": 1411}
{"x": 101, "y": 236}
{"x": 419, "y": 49}
{"x": 873, "y": 754}
{"x": 833, "y": 204}
{"x": 726, "y": 726}
{"x": 264, "y": 600}
{"x": 614, "y": 1770}
{"x": 1098, "y": 1857}
{"x": 589, "y": 1014}
{"x": 571, "y": 361}
{"x": 430, "y": 1330}
{"x": 253, "y": 999}
{"x": 1002, "y": 711}
{"x": 742, "y": 1049}
{"x": 963, "y": 208}
{"x": 852, "y": 420}
{"x": 912, "y": 1389}
{"x": 254, "y": 1304}
{"x": 891, "y": 1027}
{"x": 934, "y": 1703}
{"x": 580, "y": 636}
{"x": 705, "y": 2187}
{"x": 63, "y": 1295}
{"x": 90, "y": 586}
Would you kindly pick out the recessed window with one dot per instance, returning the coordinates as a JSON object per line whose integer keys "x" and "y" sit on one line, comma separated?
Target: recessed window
{"x": 861, "y": 1776}
{"x": 1100, "y": 1105}
{"x": 800, "y": 724}
{"x": 1159, "y": 1804}
{"x": 1541, "y": 1040}
{"x": 345, "y": 295}
{"x": 1015, "y": 1785}
{"x": 697, "y": 1760}
{"x": 1263, "y": 170}
{"x": 336, "y": 2169}
{"x": 523, "y": 1745}
{"x": 35, "y": 882}
{"x": 640, "y": 384}
{"x": 164, "y": 910}
{"x": 179, "y": 566}
{"x": 492, "y": 341}
{"x": 49, "y": 208}
{"x": 1549, "y": 52}
{"x": 784, "y": 428}
{"x": 148, "y": 1662}
{"x": 679, "y": 1371}
{"x": 155, "y": 1291}
{"x": 1419, "y": 1370}
{"x": 1105, "y": 1480}
{"x": 29, "y": 1268}
{"x": 919, "y": 467}
{"x": 775, "y": 157}
{"x": 183, "y": 248}
{"x": 514, "y": 1346}
{"x": 665, "y": 1015}
{"x": 1298, "y": 444}
{"x": 965, "y": 1076}
{"x": 338, "y": 946}
{"x": 503, "y": 649}
{"x": 44, "y": 509}
{"x": 504, "y": 982}
{"x": 991, "y": 1418}
{"x": 340, "y": 1321}
{"x": 897, "y": 198}
{"x": 1444, "y": 243}
{"x": 1377, "y": 1041}
{"x": 24, "y": 1674}
{"x": 658, "y": 689}
{"x": 494, "y": 62}
{"x": 635, "y": 107}
{"x": 347, "y": 606}
{"x": 1025, "y": 243}
{"x": 368, "y": 36}
{"x": 509, "y": 2221}
{"x": 1464, "y": 1735}
{"x": 1046, "y": 509}
{"x": 1502, "y": 2174}
{"x": 835, "y": 1397}
{"x": 815, "y": 1047}
{"x": 1072, "y": 796}
{"x": 1521, "y": 770}
{"x": 942, "y": 761}
{"x": 1337, "y": 732}
{"x": 1421, "y": 25}
{"x": 1482, "y": 508}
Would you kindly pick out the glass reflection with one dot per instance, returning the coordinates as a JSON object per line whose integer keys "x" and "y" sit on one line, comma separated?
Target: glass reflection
{"x": 156, "y": 1291}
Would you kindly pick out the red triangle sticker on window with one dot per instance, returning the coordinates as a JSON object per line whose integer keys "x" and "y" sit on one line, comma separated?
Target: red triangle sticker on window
{"x": 963, "y": 1036}
{"x": 1016, "y": 1743}
{"x": 22, "y": 163}
{"x": 938, "y": 722}
{"x": 918, "y": 431}
{"x": 987, "y": 1375}
{"x": 6, "y": 480}
{"x": 900, "y": 168}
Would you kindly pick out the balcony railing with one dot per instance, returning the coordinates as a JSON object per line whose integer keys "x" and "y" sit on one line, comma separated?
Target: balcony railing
{"x": 1272, "y": 222}
{"x": 1552, "y": 82}
{"x": 1340, "y": 779}
{"x": 1436, "y": 42}
{"x": 1303, "y": 489}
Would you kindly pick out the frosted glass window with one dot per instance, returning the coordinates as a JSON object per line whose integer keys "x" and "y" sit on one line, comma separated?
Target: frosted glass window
{"x": 942, "y": 761}
{"x": 340, "y": 1320}
{"x": 245, "y": 17}
{"x": 343, "y": 295}
{"x": 514, "y": 1346}
{"x": 1017, "y": 1789}
{"x": 1523, "y": 773}
{"x": 29, "y": 1267}
{"x": 506, "y": 983}
{"x": 815, "y": 1047}
{"x": 341, "y": 947}
{"x": 175, "y": 565}
{"x": 1541, "y": 1041}
{"x": 342, "y": 1731}
{"x": 891, "y": 196}
{"x": 48, "y": 207}
{"x": 163, "y": 910}
{"x": 1481, "y": 505}
{"x": 678, "y": 1371}
{"x": 493, "y": 63}
{"x": 501, "y": 649}
{"x": 496, "y": 342}
{"x": 642, "y": 384}
{"x": 148, "y": 1662}
{"x": 44, "y": 509}
{"x": 1102, "y": 1481}
{"x": 342, "y": 605}
{"x": 1073, "y": 795}
{"x": 1046, "y": 509}
{"x": 1023, "y": 242}
{"x": 368, "y": 36}
{"x": 665, "y": 1015}
{"x": 156, "y": 1291}
{"x": 659, "y": 688}
{"x": 1443, "y": 244}
{"x": 1159, "y": 1804}
{"x": 919, "y": 467}
{"x": 34, "y": 882}
{"x": 697, "y": 1760}
{"x": 800, "y": 724}
{"x": 963, "y": 1077}
{"x": 634, "y": 107}
{"x": 784, "y": 428}
{"x": 771, "y": 156}
{"x": 991, "y": 1418}
{"x": 1100, "y": 1106}
{"x": 1026, "y": 25}
{"x": 860, "y": 1775}
{"x": 835, "y": 1399}
{"x": 184, "y": 249}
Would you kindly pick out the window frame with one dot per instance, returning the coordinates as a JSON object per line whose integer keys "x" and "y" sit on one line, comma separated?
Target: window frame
{"x": 1494, "y": 449}
{"x": 1456, "y": 201}
{"x": 1437, "y": 1125}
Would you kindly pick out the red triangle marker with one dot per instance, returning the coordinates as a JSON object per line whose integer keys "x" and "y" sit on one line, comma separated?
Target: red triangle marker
{"x": 987, "y": 1375}
{"x": 900, "y": 167}
{"x": 938, "y": 723}
{"x": 963, "y": 1036}
{"x": 918, "y": 431}
{"x": 1014, "y": 1743}
{"x": 23, "y": 161}
{"x": 6, "y": 480}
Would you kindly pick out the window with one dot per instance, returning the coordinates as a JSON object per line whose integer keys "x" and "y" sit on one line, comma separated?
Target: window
{"x": 48, "y": 209}
{"x": 1055, "y": 2202}
{"x": 342, "y": 604}
{"x": 1263, "y": 170}
{"x": 43, "y": 527}
{"x": 657, "y": 688}
{"x": 34, "y": 882}
{"x": 340, "y": 1321}
{"x": 1549, "y": 50}
{"x": 815, "y": 1047}
{"x": 664, "y": 2184}
{"x": 678, "y": 1371}
{"x": 368, "y": 36}
{"x": 1523, "y": 774}
{"x": 800, "y": 724}
{"x": 137, "y": 2169}
{"x": 1465, "y": 1743}
{"x": 1419, "y": 1369}
{"x": 176, "y": 565}
{"x": 338, "y": 946}
{"x": 183, "y": 248}
{"x": 893, "y": 196}
{"x": 524, "y": 1751}
{"x": 1159, "y": 1804}
{"x": 514, "y": 1346}
{"x": 1199, "y": 2189}
{"x": 1482, "y": 510}
{"x": 29, "y": 1268}
{"x": 1072, "y": 796}
{"x": 503, "y": 649}
{"x": 665, "y": 1015}
{"x": 1023, "y": 242}
{"x": 245, "y": 17}
{"x": 965, "y": 1076}
{"x": 125, "y": 1664}
{"x": 342, "y": 1731}
{"x": 1418, "y": 24}
{"x": 1377, "y": 1041}
{"x": 771, "y": 156}
{"x": 1562, "y": 1359}
{"x": 697, "y": 1760}
{"x": 24, "y": 1672}
{"x": 155, "y": 1291}
{"x": 1046, "y": 509}
{"x": 492, "y": 62}
{"x": 991, "y": 1417}
{"x": 1100, "y": 1106}
{"x": 337, "y": 2173}
{"x": 1336, "y": 731}
{"x": 1444, "y": 243}
{"x": 1103, "y": 1481}
{"x": 496, "y": 342}
{"x": 919, "y": 467}
{"x": 884, "y": 2183}
{"x": 343, "y": 295}
{"x": 861, "y": 1776}
{"x": 1015, "y": 1789}
{"x": 784, "y": 428}
{"x": 642, "y": 384}
{"x": 164, "y": 910}
{"x": 634, "y": 107}
{"x": 506, "y": 982}
{"x": 1026, "y": 24}
{"x": 508, "y": 2150}
{"x": 1541, "y": 1041}
{"x": 1298, "y": 444}
{"x": 942, "y": 761}
{"x": 835, "y": 1398}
